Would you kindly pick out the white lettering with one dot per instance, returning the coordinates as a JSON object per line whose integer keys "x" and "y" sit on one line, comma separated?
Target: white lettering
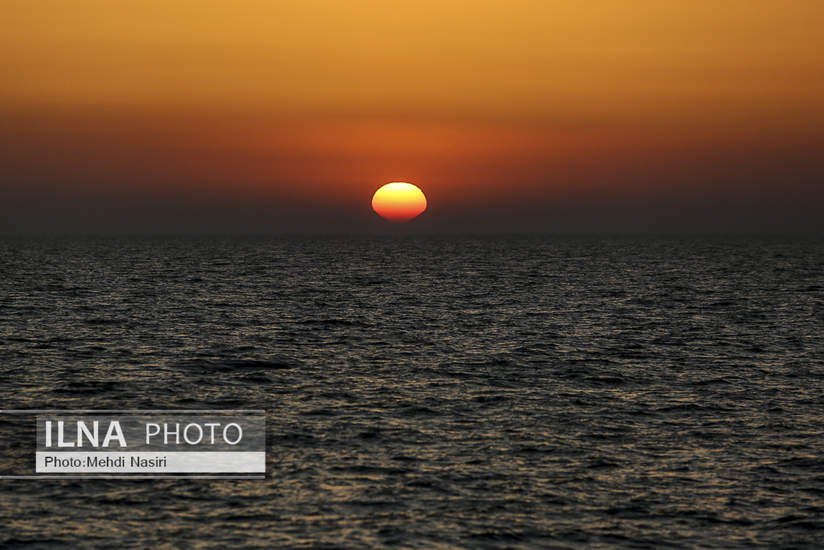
{"x": 114, "y": 432}
{"x": 186, "y": 434}
{"x": 61, "y": 442}
{"x": 83, "y": 429}
{"x": 239, "y": 434}
{"x": 149, "y": 433}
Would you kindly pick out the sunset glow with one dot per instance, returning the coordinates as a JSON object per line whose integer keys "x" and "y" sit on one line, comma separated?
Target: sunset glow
{"x": 399, "y": 202}
{"x": 529, "y": 115}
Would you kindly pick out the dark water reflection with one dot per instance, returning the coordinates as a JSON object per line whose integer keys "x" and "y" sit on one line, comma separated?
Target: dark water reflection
{"x": 434, "y": 393}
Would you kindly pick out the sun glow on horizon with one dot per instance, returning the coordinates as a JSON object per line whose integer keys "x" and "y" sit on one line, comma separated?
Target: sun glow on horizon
{"x": 399, "y": 201}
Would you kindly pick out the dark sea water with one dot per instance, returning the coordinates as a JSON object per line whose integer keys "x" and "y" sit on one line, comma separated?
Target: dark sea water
{"x": 524, "y": 392}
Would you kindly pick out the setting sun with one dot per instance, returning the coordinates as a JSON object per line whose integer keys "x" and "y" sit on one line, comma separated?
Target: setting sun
{"x": 399, "y": 201}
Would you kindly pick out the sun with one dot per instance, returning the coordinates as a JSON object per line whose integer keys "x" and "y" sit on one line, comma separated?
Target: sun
{"x": 399, "y": 201}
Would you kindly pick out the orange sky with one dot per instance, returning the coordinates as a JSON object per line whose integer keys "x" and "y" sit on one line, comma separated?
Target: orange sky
{"x": 508, "y": 110}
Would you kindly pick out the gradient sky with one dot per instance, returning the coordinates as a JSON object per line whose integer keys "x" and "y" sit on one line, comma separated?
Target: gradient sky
{"x": 519, "y": 115}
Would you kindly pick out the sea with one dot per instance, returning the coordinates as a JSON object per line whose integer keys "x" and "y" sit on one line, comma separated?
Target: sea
{"x": 445, "y": 392}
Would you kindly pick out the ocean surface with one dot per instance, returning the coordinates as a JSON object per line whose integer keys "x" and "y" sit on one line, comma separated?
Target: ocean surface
{"x": 450, "y": 392}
